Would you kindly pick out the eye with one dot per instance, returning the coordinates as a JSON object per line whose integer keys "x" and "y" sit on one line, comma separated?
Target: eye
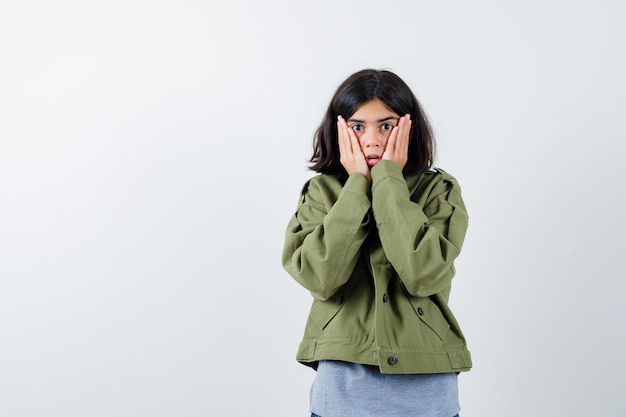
{"x": 387, "y": 126}
{"x": 356, "y": 128}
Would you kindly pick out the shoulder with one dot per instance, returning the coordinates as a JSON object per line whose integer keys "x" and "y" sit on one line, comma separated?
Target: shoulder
{"x": 321, "y": 189}
{"x": 322, "y": 183}
{"x": 435, "y": 185}
{"x": 433, "y": 178}
{"x": 439, "y": 174}
{"x": 445, "y": 176}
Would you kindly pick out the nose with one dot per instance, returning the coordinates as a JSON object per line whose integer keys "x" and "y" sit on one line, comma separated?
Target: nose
{"x": 372, "y": 139}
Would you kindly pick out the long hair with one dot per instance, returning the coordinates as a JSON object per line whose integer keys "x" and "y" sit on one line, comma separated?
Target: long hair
{"x": 359, "y": 88}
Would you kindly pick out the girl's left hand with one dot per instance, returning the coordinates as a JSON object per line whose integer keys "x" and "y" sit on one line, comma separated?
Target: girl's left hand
{"x": 397, "y": 149}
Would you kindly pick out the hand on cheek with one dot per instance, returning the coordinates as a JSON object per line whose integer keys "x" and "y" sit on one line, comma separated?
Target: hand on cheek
{"x": 351, "y": 156}
{"x": 397, "y": 149}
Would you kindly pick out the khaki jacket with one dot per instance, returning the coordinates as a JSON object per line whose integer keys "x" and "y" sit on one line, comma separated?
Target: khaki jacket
{"x": 379, "y": 263}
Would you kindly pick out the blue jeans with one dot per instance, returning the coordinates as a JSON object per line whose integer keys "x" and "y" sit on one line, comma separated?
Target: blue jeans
{"x": 315, "y": 415}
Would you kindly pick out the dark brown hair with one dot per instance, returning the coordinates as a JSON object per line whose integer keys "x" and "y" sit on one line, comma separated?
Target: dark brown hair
{"x": 359, "y": 88}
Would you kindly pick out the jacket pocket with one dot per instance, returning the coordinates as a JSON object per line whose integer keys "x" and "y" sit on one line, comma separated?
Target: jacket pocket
{"x": 429, "y": 313}
{"x": 323, "y": 312}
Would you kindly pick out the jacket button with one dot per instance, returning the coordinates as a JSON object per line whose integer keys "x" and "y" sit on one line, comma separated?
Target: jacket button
{"x": 392, "y": 360}
{"x": 420, "y": 311}
{"x": 339, "y": 298}
{"x": 385, "y": 298}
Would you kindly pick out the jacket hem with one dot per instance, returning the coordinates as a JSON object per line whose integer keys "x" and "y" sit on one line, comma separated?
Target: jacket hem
{"x": 389, "y": 361}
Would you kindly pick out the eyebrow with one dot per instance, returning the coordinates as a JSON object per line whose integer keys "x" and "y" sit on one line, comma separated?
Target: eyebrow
{"x": 384, "y": 119}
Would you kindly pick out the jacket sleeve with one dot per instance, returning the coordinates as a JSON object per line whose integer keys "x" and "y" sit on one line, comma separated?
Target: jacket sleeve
{"x": 420, "y": 242}
{"x": 324, "y": 237}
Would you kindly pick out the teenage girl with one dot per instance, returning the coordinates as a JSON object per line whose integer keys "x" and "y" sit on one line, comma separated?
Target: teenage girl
{"x": 374, "y": 239}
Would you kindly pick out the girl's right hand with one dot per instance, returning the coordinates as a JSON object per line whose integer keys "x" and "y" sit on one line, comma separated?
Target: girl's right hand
{"x": 350, "y": 154}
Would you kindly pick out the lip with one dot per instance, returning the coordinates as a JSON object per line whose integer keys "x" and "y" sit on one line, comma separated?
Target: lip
{"x": 372, "y": 160}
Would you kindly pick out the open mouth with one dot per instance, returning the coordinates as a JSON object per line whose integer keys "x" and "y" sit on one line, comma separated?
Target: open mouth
{"x": 372, "y": 160}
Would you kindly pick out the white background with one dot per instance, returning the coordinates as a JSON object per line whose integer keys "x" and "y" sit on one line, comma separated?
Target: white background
{"x": 151, "y": 154}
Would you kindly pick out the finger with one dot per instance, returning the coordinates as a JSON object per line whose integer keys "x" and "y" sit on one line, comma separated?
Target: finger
{"x": 355, "y": 148}
{"x": 391, "y": 143}
{"x": 358, "y": 161}
{"x": 354, "y": 141}
{"x": 344, "y": 145}
{"x": 404, "y": 131}
{"x": 398, "y": 142}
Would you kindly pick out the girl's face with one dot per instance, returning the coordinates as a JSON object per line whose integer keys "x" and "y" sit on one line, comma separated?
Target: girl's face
{"x": 372, "y": 123}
